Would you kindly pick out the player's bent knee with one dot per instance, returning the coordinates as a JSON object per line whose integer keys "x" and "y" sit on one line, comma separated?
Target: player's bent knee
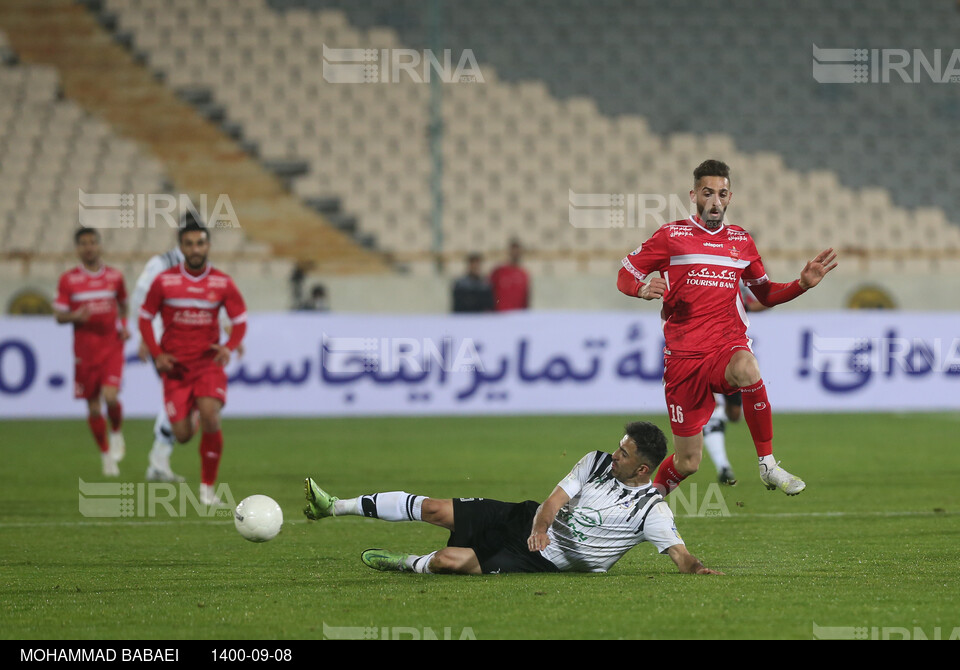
{"x": 182, "y": 431}
{"x": 743, "y": 370}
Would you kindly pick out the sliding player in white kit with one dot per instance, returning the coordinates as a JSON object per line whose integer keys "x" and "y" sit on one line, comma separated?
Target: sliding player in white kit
{"x": 595, "y": 515}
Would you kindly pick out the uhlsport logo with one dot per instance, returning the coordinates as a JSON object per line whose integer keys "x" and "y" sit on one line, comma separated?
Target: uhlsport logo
{"x": 884, "y": 66}
{"x": 392, "y": 66}
{"x": 147, "y": 210}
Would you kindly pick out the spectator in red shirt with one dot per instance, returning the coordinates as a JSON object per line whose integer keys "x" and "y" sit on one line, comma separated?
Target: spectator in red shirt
{"x": 511, "y": 283}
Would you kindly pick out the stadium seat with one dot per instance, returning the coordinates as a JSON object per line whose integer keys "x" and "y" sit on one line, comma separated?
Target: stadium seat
{"x": 513, "y": 146}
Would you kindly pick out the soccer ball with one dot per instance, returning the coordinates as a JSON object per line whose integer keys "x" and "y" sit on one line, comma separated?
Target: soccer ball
{"x": 258, "y": 518}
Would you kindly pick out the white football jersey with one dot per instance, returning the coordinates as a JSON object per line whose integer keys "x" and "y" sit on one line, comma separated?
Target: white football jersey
{"x": 604, "y": 519}
{"x": 156, "y": 265}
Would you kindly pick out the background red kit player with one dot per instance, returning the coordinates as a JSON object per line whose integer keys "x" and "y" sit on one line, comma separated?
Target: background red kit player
{"x": 92, "y": 297}
{"x": 701, "y": 261}
{"x": 189, "y": 356}
{"x": 510, "y": 282}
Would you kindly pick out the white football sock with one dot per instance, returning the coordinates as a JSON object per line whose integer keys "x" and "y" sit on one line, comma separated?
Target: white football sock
{"x": 162, "y": 430}
{"x": 347, "y": 507}
{"x": 389, "y": 506}
{"x": 420, "y": 564}
{"x": 715, "y": 442}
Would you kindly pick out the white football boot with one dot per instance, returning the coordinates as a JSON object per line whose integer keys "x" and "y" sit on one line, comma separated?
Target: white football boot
{"x": 110, "y": 468}
{"x": 776, "y": 477}
{"x": 159, "y": 469}
{"x": 118, "y": 448}
{"x": 208, "y": 497}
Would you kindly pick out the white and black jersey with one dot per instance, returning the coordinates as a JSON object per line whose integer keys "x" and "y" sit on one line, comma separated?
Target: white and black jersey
{"x": 604, "y": 519}
{"x": 156, "y": 265}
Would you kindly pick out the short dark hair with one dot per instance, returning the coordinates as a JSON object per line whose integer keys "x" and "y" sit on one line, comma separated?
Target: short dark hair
{"x": 650, "y": 440}
{"x": 190, "y": 223}
{"x": 711, "y": 168}
{"x": 83, "y": 230}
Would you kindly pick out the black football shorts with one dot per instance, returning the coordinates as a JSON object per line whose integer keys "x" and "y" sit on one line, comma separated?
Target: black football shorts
{"x": 497, "y": 532}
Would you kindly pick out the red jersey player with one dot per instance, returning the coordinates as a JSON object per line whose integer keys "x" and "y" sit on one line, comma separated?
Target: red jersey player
{"x": 93, "y": 298}
{"x": 189, "y": 357}
{"x": 511, "y": 283}
{"x": 701, "y": 261}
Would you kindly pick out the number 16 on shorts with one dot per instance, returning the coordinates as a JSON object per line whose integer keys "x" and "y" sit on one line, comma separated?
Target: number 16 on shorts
{"x": 676, "y": 414}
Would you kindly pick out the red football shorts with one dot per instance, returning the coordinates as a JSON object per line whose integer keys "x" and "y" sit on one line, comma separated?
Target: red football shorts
{"x": 89, "y": 377}
{"x": 184, "y": 385}
{"x": 689, "y": 385}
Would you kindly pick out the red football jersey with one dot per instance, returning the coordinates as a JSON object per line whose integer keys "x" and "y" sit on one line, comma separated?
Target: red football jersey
{"x": 511, "y": 288}
{"x": 189, "y": 306}
{"x": 101, "y": 292}
{"x": 702, "y": 307}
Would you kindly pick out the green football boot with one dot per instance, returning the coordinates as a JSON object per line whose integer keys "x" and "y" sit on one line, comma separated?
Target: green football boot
{"x": 385, "y": 561}
{"x": 319, "y": 502}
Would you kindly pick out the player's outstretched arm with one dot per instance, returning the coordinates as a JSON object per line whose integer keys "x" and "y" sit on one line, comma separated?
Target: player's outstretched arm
{"x": 814, "y": 271}
{"x": 771, "y": 294}
{"x": 545, "y": 516}
{"x": 687, "y": 563}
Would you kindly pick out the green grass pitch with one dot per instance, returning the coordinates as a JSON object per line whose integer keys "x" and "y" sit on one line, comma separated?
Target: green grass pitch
{"x": 872, "y": 542}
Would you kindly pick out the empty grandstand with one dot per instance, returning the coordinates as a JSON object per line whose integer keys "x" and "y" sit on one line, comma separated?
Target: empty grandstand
{"x": 406, "y": 176}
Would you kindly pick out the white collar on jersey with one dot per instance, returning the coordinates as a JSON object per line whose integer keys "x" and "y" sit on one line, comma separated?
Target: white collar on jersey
{"x": 694, "y": 221}
{"x": 99, "y": 272}
{"x": 202, "y": 275}
{"x": 642, "y": 487}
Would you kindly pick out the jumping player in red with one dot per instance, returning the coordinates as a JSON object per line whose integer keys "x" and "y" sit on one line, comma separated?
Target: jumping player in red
{"x": 92, "y": 297}
{"x": 701, "y": 261}
{"x": 189, "y": 357}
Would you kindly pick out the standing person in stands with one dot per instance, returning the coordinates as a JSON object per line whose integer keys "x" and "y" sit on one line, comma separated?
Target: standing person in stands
{"x": 510, "y": 282}
{"x": 472, "y": 292}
